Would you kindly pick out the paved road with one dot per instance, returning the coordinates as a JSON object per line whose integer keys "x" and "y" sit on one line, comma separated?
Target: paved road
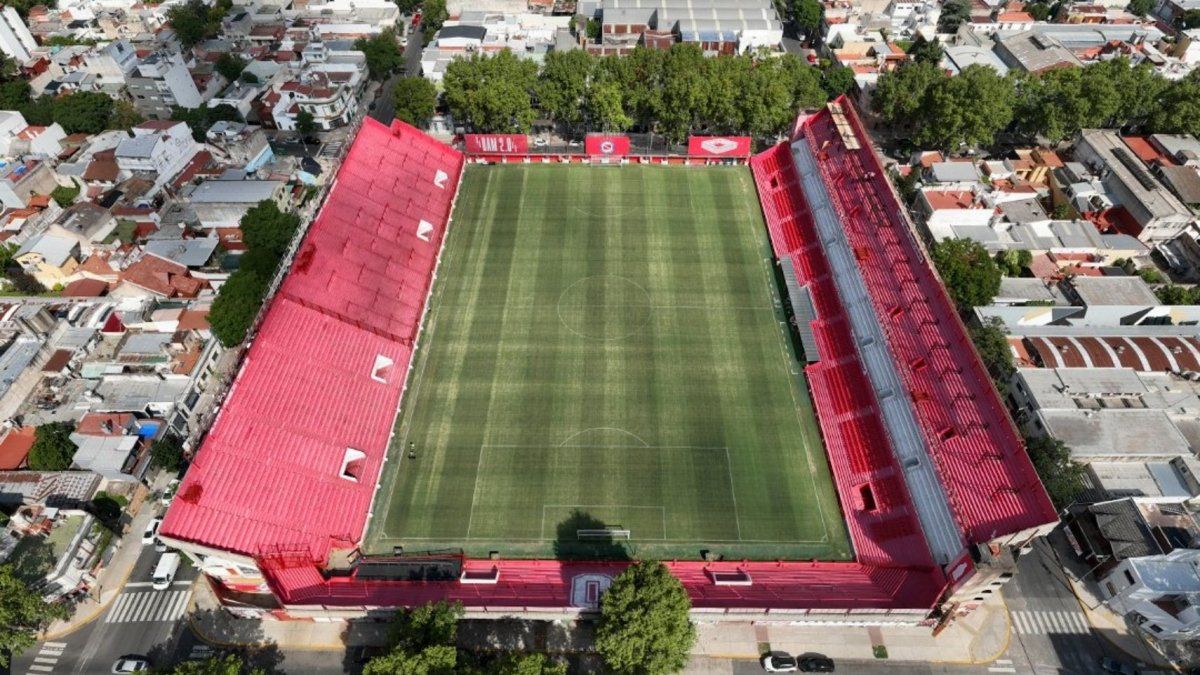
{"x": 139, "y": 621}
{"x": 384, "y": 109}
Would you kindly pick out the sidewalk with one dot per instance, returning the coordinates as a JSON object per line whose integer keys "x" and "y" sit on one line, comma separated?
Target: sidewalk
{"x": 979, "y": 638}
{"x": 111, "y": 580}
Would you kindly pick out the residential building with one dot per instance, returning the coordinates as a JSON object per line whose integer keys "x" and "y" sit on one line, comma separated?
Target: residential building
{"x": 15, "y": 39}
{"x": 1160, "y": 594}
{"x": 1159, "y": 213}
{"x": 1034, "y": 52}
{"x": 330, "y": 96}
{"x": 18, "y": 138}
{"x": 240, "y": 144}
{"x": 87, "y": 223}
{"x": 160, "y": 81}
{"x": 222, "y": 203}
{"x": 112, "y": 64}
{"x": 53, "y": 551}
{"x": 20, "y": 181}
{"x": 159, "y": 149}
{"x": 51, "y": 259}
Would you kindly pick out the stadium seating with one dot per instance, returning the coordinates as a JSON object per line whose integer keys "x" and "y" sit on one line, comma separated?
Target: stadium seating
{"x": 295, "y": 454}
{"x": 992, "y": 487}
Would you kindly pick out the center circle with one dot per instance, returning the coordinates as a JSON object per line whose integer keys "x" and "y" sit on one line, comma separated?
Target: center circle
{"x": 604, "y": 307}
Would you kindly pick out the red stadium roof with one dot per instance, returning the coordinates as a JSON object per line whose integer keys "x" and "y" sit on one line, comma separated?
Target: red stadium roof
{"x": 989, "y": 481}
{"x": 295, "y": 454}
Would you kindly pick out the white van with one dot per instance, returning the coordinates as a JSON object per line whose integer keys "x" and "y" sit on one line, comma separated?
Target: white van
{"x": 164, "y": 571}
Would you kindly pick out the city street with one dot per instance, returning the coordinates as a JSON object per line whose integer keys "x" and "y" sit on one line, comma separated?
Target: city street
{"x": 139, "y": 621}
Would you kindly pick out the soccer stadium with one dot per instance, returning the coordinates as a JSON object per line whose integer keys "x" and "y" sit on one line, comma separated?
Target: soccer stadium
{"x": 496, "y": 376}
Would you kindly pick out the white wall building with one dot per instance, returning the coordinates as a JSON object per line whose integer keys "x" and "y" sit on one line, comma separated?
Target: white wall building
{"x": 15, "y": 39}
{"x": 112, "y": 63}
{"x": 1158, "y": 593}
{"x": 160, "y": 147}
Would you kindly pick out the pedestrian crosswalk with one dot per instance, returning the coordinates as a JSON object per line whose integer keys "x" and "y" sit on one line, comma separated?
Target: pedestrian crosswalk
{"x": 148, "y": 606}
{"x": 46, "y": 657}
{"x": 1002, "y": 666}
{"x": 1049, "y": 622}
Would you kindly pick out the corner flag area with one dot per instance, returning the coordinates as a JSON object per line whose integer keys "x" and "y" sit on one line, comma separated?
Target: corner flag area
{"x": 606, "y": 371}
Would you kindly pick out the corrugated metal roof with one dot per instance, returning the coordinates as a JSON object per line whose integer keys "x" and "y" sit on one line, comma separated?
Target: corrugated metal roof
{"x": 307, "y": 393}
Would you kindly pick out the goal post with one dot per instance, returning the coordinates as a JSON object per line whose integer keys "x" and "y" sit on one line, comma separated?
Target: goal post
{"x": 607, "y": 534}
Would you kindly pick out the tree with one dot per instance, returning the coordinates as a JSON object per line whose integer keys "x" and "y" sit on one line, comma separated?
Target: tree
{"x": 967, "y": 109}
{"x": 683, "y": 89}
{"x": 382, "y": 53}
{"x": 644, "y": 625}
{"x": 593, "y": 30}
{"x": 1140, "y": 7}
{"x": 267, "y": 233}
{"x": 230, "y": 66}
{"x": 991, "y": 341}
{"x": 415, "y": 99}
{"x": 22, "y": 614}
{"x": 1189, "y": 19}
{"x": 52, "y": 448}
{"x": 437, "y": 660}
{"x": 432, "y": 624}
{"x": 1013, "y": 262}
{"x": 83, "y": 112}
{"x": 191, "y": 22}
{"x": 201, "y": 119}
{"x": 124, "y": 116}
{"x": 528, "y": 664}
{"x": 492, "y": 94}
{"x": 1062, "y": 476}
{"x": 971, "y": 276}
{"x": 900, "y": 94}
{"x": 837, "y": 80}
{"x": 229, "y": 664}
{"x": 1063, "y": 211}
{"x": 1040, "y": 11}
{"x": 804, "y": 81}
{"x": 562, "y": 85}
{"x": 926, "y": 51}
{"x": 236, "y": 305}
{"x": 14, "y": 94}
{"x": 305, "y": 123}
{"x": 1171, "y": 294}
{"x": 954, "y": 13}
{"x": 1179, "y": 109}
{"x": 605, "y": 108}
{"x": 107, "y": 510}
{"x": 433, "y": 15}
{"x": 22, "y": 281}
{"x": 167, "y": 453}
{"x": 806, "y": 14}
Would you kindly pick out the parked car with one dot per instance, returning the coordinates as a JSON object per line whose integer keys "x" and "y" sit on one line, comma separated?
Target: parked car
{"x": 816, "y": 664}
{"x": 540, "y": 142}
{"x": 164, "y": 571}
{"x": 1111, "y": 665}
{"x": 151, "y": 531}
{"x": 130, "y": 663}
{"x": 779, "y": 662}
{"x": 168, "y": 493}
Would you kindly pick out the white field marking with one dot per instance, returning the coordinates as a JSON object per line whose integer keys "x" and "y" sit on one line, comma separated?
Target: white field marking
{"x": 737, "y": 520}
{"x": 475, "y": 491}
{"x": 605, "y": 447}
{"x": 634, "y": 537}
{"x": 559, "y": 305}
{"x": 617, "y": 429}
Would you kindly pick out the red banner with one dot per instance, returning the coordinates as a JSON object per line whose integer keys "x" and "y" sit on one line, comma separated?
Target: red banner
{"x": 719, "y": 146}
{"x": 497, "y": 144}
{"x": 606, "y": 146}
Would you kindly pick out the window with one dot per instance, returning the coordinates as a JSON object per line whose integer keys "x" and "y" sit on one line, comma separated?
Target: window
{"x": 1129, "y": 578}
{"x": 382, "y": 369}
{"x": 352, "y": 464}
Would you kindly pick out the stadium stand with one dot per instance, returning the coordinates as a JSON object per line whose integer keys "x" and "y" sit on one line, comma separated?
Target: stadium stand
{"x": 311, "y": 411}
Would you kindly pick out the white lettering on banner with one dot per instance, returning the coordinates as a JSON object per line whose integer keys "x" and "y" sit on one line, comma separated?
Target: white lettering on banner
{"x": 497, "y": 144}
{"x": 424, "y": 229}
{"x": 440, "y": 178}
{"x": 607, "y": 147}
{"x": 719, "y": 146}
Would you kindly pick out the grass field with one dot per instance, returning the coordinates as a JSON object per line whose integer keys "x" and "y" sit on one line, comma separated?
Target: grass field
{"x": 605, "y": 349}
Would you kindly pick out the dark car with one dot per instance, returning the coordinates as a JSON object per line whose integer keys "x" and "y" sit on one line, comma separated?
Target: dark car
{"x": 816, "y": 664}
{"x": 1114, "y": 666}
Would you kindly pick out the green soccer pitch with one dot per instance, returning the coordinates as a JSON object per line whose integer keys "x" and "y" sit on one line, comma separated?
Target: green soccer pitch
{"x": 605, "y": 350}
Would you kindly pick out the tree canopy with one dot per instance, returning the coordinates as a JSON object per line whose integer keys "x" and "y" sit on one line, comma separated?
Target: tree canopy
{"x": 1140, "y": 7}
{"x": 236, "y": 305}
{"x": 194, "y": 21}
{"x": 954, "y": 13}
{"x": 433, "y": 14}
{"x": 644, "y": 626}
{"x": 971, "y": 276}
{"x": 806, "y": 14}
{"x": 433, "y": 660}
{"x": 230, "y": 66}
{"x": 382, "y": 53}
{"x": 167, "y": 453}
{"x": 1062, "y": 476}
{"x": 229, "y": 664}
{"x": 22, "y": 614}
{"x": 267, "y": 233}
{"x": 85, "y": 112}
{"x": 415, "y": 99}
{"x": 52, "y": 448}
{"x": 492, "y": 93}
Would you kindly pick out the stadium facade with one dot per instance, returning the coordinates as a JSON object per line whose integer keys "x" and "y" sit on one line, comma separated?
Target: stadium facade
{"x": 934, "y": 483}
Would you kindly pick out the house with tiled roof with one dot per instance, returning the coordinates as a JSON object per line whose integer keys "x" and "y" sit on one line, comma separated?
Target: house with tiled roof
{"x": 153, "y": 276}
